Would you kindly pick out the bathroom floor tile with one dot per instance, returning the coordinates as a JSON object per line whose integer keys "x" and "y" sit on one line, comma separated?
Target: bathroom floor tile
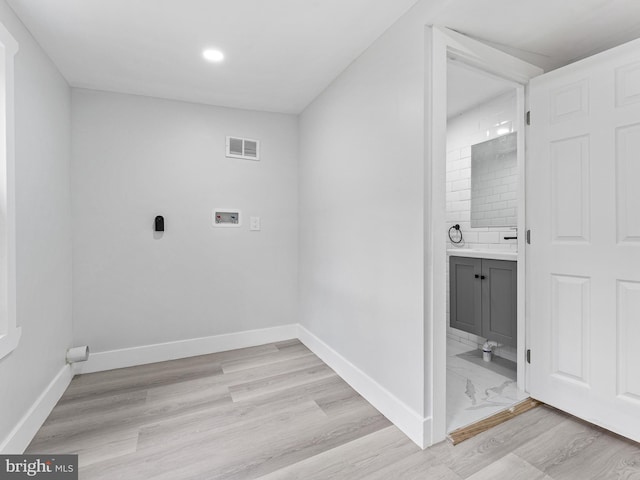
{"x": 473, "y": 391}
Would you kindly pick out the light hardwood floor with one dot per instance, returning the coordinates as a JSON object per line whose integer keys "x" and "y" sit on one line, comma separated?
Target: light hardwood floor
{"x": 277, "y": 412}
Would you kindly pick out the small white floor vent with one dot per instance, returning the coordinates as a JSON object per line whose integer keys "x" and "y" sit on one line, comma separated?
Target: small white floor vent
{"x": 243, "y": 148}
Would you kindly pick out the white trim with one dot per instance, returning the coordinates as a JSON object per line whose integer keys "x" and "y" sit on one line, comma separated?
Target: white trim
{"x": 9, "y": 331}
{"x": 442, "y": 44}
{"x": 9, "y": 341}
{"x": 160, "y": 352}
{"x": 521, "y": 279}
{"x": 22, "y": 434}
{"x": 477, "y": 54}
{"x": 406, "y": 419}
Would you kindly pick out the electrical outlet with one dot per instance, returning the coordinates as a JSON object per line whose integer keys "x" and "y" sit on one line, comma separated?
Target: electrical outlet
{"x": 254, "y": 224}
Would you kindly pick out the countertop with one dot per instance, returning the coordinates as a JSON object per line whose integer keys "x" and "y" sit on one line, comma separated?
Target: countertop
{"x": 476, "y": 253}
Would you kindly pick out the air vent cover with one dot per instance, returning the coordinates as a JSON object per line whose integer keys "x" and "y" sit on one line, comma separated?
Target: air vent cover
{"x": 243, "y": 148}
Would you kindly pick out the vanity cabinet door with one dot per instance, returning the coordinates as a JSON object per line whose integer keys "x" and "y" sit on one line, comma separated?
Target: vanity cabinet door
{"x": 465, "y": 294}
{"x": 499, "y": 301}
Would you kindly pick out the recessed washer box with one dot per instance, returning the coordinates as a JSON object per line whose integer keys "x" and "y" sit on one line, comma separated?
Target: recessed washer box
{"x": 227, "y": 217}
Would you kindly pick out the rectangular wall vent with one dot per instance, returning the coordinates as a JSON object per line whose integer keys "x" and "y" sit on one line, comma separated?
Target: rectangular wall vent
{"x": 243, "y": 148}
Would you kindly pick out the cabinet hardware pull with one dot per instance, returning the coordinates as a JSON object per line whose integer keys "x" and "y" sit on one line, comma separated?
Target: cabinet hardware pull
{"x": 477, "y": 276}
{"x": 482, "y": 277}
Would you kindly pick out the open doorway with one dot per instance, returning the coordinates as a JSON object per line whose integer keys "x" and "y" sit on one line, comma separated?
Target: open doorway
{"x": 482, "y": 192}
{"x": 442, "y": 45}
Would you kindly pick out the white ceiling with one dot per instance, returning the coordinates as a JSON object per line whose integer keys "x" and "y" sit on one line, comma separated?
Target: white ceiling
{"x": 547, "y": 33}
{"x": 467, "y": 88}
{"x": 282, "y": 53}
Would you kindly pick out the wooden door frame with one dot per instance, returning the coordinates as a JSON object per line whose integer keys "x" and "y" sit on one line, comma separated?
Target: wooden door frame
{"x": 441, "y": 44}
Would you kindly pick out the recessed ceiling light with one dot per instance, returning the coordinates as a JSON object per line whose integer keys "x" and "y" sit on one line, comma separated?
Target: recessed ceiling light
{"x": 213, "y": 55}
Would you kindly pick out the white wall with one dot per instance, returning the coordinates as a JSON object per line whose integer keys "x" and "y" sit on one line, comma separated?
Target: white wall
{"x": 138, "y": 157}
{"x": 43, "y": 230}
{"x": 362, "y": 209}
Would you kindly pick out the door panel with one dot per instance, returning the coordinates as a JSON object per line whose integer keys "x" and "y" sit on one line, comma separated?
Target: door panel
{"x": 570, "y": 186}
{"x": 499, "y": 301}
{"x": 465, "y": 294}
{"x": 627, "y": 180}
{"x": 628, "y": 84}
{"x": 570, "y": 299}
{"x": 628, "y": 335}
{"x": 583, "y": 209}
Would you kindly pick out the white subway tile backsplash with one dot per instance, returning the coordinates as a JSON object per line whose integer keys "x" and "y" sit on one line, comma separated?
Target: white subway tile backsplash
{"x": 454, "y": 175}
{"x": 510, "y": 180}
{"x": 459, "y": 216}
{"x": 457, "y": 195}
{"x": 470, "y": 237}
{"x": 462, "y": 184}
{"x": 504, "y": 173}
{"x": 460, "y": 164}
{"x": 488, "y": 237}
{"x": 494, "y": 182}
{"x": 493, "y": 198}
{"x": 461, "y": 206}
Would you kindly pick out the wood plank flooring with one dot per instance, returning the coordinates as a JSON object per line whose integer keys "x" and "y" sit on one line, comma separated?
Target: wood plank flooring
{"x": 277, "y": 412}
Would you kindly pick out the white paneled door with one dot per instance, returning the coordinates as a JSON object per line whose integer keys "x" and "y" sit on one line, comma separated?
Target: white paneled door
{"x": 583, "y": 209}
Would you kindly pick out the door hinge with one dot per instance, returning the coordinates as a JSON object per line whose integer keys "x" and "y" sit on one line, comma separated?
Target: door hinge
{"x": 529, "y": 117}
{"x": 529, "y": 237}
{"x": 529, "y": 355}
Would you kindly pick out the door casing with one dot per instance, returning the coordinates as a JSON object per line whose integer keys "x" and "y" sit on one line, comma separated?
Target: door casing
{"x": 440, "y": 45}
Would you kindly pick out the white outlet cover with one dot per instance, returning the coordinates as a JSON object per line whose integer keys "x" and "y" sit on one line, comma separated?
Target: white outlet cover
{"x": 254, "y": 224}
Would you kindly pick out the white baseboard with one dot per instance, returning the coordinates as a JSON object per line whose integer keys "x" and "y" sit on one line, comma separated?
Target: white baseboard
{"x": 160, "y": 352}
{"x": 22, "y": 434}
{"x": 417, "y": 428}
{"x": 427, "y": 435}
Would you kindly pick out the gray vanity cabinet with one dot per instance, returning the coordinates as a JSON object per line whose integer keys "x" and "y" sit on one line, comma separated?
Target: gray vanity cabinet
{"x": 483, "y": 295}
